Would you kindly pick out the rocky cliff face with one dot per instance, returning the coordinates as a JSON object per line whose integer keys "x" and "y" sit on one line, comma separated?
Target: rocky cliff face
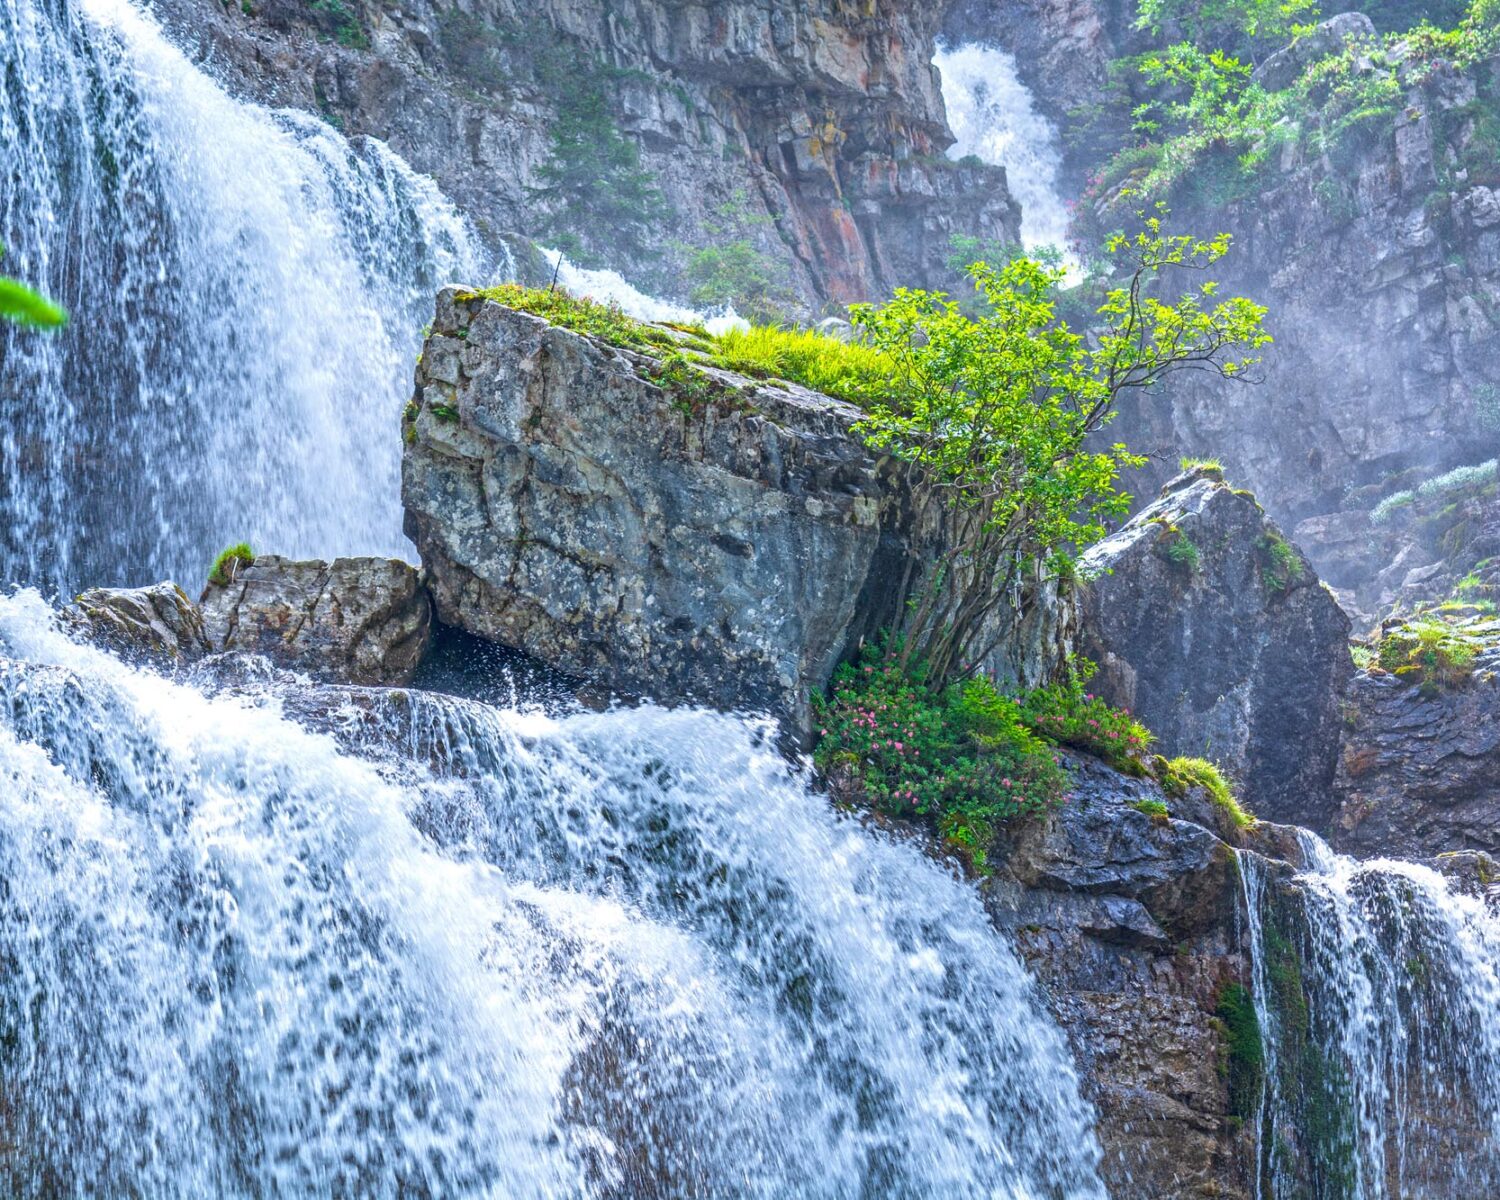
{"x": 815, "y": 131}
{"x": 1214, "y": 629}
{"x": 1381, "y": 268}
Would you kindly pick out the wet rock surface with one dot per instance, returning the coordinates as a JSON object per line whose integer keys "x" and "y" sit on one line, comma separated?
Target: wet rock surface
{"x": 1215, "y": 631}
{"x": 1130, "y": 922}
{"x": 159, "y": 622}
{"x": 1419, "y": 773}
{"x": 354, "y": 620}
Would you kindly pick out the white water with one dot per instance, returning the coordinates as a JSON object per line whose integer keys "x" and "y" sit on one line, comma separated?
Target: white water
{"x": 610, "y": 287}
{"x": 454, "y": 951}
{"x": 1400, "y": 977}
{"x": 994, "y": 117}
{"x": 247, "y": 288}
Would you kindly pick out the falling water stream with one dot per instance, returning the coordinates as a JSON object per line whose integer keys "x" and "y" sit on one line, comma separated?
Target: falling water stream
{"x": 994, "y": 117}
{"x": 1378, "y": 995}
{"x": 248, "y": 290}
{"x": 290, "y": 940}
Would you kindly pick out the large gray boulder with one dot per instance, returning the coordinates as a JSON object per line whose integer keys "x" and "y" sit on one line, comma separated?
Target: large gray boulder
{"x": 569, "y": 505}
{"x": 1215, "y": 631}
{"x": 354, "y": 620}
{"x": 669, "y": 531}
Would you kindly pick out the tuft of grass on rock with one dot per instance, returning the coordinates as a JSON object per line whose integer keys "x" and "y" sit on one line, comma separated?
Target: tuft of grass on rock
{"x": 227, "y": 565}
{"x": 1182, "y": 774}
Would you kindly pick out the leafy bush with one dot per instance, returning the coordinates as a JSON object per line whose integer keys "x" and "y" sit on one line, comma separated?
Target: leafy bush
{"x": 998, "y": 416}
{"x": 1282, "y": 566}
{"x": 1181, "y": 774}
{"x": 1182, "y": 552}
{"x": 339, "y": 23}
{"x": 1459, "y": 479}
{"x": 963, "y": 759}
{"x": 1069, "y": 714}
{"x": 738, "y": 275}
{"x": 227, "y": 565}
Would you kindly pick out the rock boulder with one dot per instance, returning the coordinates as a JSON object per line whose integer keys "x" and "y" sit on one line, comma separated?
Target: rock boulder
{"x": 354, "y": 620}
{"x": 1215, "y": 631}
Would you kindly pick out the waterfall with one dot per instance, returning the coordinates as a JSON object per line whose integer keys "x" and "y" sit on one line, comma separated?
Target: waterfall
{"x": 993, "y": 116}
{"x": 247, "y": 290}
{"x": 287, "y": 940}
{"x": 1377, "y": 986}
{"x": 610, "y": 287}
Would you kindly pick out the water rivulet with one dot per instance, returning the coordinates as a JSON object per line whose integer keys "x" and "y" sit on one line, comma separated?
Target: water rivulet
{"x": 247, "y": 288}
{"x": 1378, "y": 997}
{"x": 320, "y": 942}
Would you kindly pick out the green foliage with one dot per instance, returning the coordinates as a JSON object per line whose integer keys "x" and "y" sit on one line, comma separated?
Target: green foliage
{"x": 335, "y": 20}
{"x": 961, "y": 758}
{"x": 694, "y": 391}
{"x": 734, "y": 272}
{"x": 847, "y": 370}
{"x": 22, "y": 306}
{"x": 997, "y": 414}
{"x": 1383, "y": 512}
{"x": 1281, "y": 564}
{"x": 1181, "y": 774}
{"x": 1069, "y": 714}
{"x": 599, "y": 193}
{"x": 580, "y": 314}
{"x": 738, "y": 275}
{"x": 227, "y": 565}
{"x": 1208, "y": 20}
{"x": 1209, "y": 466}
{"x": 1152, "y": 808}
{"x": 1430, "y": 653}
{"x": 1245, "y": 1063}
{"x": 1182, "y": 552}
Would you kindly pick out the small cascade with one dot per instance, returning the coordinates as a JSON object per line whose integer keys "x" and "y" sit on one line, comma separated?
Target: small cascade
{"x": 301, "y": 941}
{"x": 994, "y": 117}
{"x": 247, "y": 288}
{"x": 1378, "y": 993}
{"x": 610, "y": 287}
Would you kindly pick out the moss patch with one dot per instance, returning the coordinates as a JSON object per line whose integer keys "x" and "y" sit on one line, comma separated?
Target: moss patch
{"x": 227, "y": 565}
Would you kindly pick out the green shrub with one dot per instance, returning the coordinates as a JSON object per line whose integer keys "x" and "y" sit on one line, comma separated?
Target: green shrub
{"x": 227, "y": 565}
{"x": 1282, "y": 566}
{"x": 342, "y": 25}
{"x": 962, "y": 759}
{"x": 1181, "y": 774}
{"x": 1069, "y": 714}
{"x": 1182, "y": 552}
{"x": 1152, "y": 808}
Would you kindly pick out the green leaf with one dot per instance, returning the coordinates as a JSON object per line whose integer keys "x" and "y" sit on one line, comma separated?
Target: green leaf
{"x": 18, "y": 303}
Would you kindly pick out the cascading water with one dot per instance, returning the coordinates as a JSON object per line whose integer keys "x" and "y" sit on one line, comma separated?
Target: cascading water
{"x": 330, "y": 942}
{"x": 993, "y": 116}
{"x": 247, "y": 290}
{"x": 1378, "y": 993}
